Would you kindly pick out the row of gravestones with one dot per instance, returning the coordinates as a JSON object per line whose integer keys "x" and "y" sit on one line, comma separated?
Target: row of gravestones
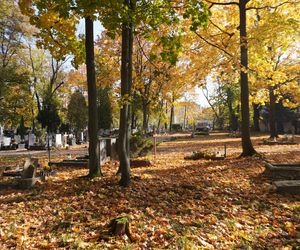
{"x": 56, "y": 140}
{"x": 107, "y": 152}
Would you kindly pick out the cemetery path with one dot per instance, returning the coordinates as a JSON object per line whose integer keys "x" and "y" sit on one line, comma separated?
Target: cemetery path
{"x": 216, "y": 143}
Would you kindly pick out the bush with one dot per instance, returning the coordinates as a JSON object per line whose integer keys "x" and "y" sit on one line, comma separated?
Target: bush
{"x": 176, "y": 128}
{"x": 139, "y": 145}
{"x": 203, "y": 155}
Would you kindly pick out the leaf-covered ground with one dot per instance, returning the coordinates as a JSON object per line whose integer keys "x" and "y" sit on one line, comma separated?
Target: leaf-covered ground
{"x": 174, "y": 204}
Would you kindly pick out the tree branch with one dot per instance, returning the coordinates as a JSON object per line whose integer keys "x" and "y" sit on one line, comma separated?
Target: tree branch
{"x": 210, "y": 43}
{"x": 270, "y": 7}
{"x": 56, "y": 88}
{"x": 223, "y": 31}
{"x": 217, "y": 3}
{"x": 144, "y": 53}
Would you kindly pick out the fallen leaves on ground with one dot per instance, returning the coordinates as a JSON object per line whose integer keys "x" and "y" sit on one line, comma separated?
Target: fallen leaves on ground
{"x": 173, "y": 204}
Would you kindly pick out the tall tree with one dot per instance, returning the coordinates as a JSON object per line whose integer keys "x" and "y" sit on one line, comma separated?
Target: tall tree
{"x": 13, "y": 74}
{"x": 248, "y": 149}
{"x": 94, "y": 169}
{"x": 126, "y": 82}
{"x": 77, "y": 111}
{"x": 274, "y": 60}
{"x": 57, "y": 32}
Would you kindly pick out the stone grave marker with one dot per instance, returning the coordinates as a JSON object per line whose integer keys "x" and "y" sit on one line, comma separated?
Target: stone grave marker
{"x": 6, "y": 141}
{"x": 28, "y": 176}
{"x": 17, "y": 139}
{"x": 111, "y": 148}
{"x": 102, "y": 151}
{"x": 31, "y": 140}
{"x": 58, "y": 140}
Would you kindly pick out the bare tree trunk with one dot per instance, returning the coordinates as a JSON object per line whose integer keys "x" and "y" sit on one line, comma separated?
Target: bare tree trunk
{"x": 161, "y": 105}
{"x": 132, "y": 120}
{"x": 171, "y": 116}
{"x": 33, "y": 120}
{"x": 126, "y": 79}
{"x": 247, "y": 146}
{"x": 145, "y": 113}
{"x": 94, "y": 166}
{"x": 184, "y": 118}
{"x": 166, "y": 125}
{"x": 256, "y": 117}
{"x": 272, "y": 115}
{"x": 233, "y": 120}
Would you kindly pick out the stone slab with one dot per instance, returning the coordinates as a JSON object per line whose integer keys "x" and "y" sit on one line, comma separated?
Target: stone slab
{"x": 291, "y": 186}
{"x": 282, "y": 171}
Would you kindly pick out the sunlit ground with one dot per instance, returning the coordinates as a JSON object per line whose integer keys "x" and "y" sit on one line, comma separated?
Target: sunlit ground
{"x": 174, "y": 204}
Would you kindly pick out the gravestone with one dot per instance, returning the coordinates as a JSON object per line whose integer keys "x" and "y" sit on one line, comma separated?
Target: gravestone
{"x": 111, "y": 148}
{"x": 58, "y": 140}
{"x": 71, "y": 140}
{"x": 102, "y": 151}
{"x": 17, "y": 139}
{"x": 31, "y": 140}
{"x": 28, "y": 178}
{"x": 282, "y": 171}
{"x": 49, "y": 138}
{"x": 29, "y": 172}
{"x": 6, "y": 141}
{"x": 289, "y": 186}
{"x": 21, "y": 146}
{"x": 64, "y": 140}
{"x": 28, "y": 162}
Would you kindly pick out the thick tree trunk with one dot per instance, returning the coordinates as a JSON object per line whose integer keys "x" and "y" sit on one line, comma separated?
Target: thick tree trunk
{"x": 272, "y": 115}
{"x": 94, "y": 166}
{"x": 247, "y": 146}
{"x": 126, "y": 79}
{"x": 256, "y": 110}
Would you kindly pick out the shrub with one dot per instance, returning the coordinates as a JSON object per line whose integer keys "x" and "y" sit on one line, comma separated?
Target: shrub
{"x": 139, "y": 145}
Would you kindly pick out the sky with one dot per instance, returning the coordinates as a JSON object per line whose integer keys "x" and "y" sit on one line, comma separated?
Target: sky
{"x": 98, "y": 28}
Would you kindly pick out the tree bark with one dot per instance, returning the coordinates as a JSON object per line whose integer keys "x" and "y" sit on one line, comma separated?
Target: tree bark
{"x": 145, "y": 113}
{"x": 272, "y": 115}
{"x": 132, "y": 119}
{"x": 160, "y": 114}
{"x": 166, "y": 125}
{"x": 94, "y": 165}
{"x": 184, "y": 117}
{"x": 233, "y": 122}
{"x": 126, "y": 79}
{"x": 171, "y": 116}
{"x": 247, "y": 146}
{"x": 256, "y": 117}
